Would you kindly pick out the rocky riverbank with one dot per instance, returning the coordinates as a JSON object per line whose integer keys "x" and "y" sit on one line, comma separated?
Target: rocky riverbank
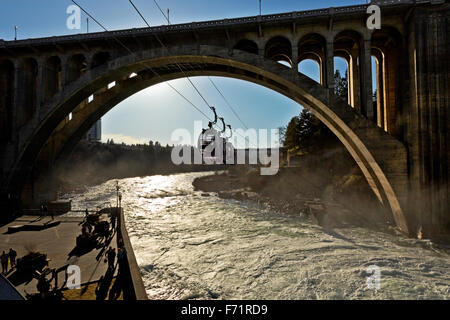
{"x": 326, "y": 186}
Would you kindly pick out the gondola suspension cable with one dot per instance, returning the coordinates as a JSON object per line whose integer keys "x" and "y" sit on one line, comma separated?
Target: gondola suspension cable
{"x": 215, "y": 86}
{"x": 149, "y": 67}
{"x": 228, "y": 104}
{"x": 143, "y": 63}
{"x": 167, "y": 49}
{"x": 209, "y": 78}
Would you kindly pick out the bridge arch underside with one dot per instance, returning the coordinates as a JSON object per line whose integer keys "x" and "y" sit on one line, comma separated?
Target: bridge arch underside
{"x": 381, "y": 158}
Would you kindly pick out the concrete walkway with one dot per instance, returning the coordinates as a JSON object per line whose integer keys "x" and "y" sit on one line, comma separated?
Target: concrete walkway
{"x": 58, "y": 243}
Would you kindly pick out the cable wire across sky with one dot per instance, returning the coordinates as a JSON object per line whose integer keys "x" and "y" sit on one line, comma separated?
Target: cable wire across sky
{"x": 211, "y": 80}
{"x": 146, "y": 65}
{"x": 156, "y": 73}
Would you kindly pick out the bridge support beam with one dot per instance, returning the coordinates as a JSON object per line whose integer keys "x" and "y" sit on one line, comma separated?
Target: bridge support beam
{"x": 366, "y": 79}
{"x": 353, "y": 85}
{"x": 295, "y": 58}
{"x": 428, "y": 119}
{"x": 16, "y": 102}
{"x": 329, "y": 67}
{"x": 39, "y": 88}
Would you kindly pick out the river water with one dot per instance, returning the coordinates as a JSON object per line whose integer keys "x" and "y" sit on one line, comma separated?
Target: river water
{"x": 190, "y": 246}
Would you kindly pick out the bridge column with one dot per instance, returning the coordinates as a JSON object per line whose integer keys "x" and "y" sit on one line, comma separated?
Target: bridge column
{"x": 40, "y": 82}
{"x": 64, "y": 69}
{"x": 353, "y": 81}
{"x": 16, "y": 99}
{"x": 329, "y": 66}
{"x": 261, "y": 46}
{"x": 295, "y": 59}
{"x": 366, "y": 78}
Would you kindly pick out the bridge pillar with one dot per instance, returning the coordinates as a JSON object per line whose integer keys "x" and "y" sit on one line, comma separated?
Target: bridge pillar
{"x": 40, "y": 76}
{"x": 353, "y": 84}
{"x": 64, "y": 70}
{"x": 295, "y": 58}
{"x": 428, "y": 118}
{"x": 16, "y": 100}
{"x": 329, "y": 66}
{"x": 366, "y": 78}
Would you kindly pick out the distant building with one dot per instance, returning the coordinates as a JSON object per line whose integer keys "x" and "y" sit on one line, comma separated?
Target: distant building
{"x": 95, "y": 133}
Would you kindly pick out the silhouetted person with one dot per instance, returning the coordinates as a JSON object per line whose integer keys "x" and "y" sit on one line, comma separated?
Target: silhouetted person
{"x": 12, "y": 257}
{"x": 43, "y": 286}
{"x": 113, "y": 221}
{"x": 45, "y": 211}
{"x": 120, "y": 257}
{"x": 111, "y": 255}
{"x": 4, "y": 260}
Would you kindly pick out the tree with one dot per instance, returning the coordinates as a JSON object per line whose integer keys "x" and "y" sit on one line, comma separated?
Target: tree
{"x": 307, "y": 133}
{"x": 341, "y": 85}
{"x": 307, "y": 126}
{"x": 291, "y": 135}
{"x": 282, "y": 135}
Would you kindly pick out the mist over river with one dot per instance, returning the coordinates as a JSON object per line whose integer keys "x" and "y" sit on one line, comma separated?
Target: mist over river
{"x": 191, "y": 246}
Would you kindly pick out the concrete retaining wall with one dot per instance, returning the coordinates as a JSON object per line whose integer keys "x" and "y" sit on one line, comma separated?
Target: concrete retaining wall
{"x": 133, "y": 286}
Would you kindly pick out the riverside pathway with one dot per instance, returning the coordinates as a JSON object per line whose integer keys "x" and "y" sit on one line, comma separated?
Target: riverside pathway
{"x": 58, "y": 243}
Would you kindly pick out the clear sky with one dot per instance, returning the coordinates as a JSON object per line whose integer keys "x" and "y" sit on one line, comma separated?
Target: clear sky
{"x": 154, "y": 113}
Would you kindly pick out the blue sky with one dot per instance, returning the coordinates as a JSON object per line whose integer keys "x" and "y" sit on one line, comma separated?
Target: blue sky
{"x": 155, "y": 112}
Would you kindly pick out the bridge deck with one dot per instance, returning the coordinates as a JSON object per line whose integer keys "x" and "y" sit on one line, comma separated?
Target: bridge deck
{"x": 57, "y": 242}
{"x": 297, "y": 16}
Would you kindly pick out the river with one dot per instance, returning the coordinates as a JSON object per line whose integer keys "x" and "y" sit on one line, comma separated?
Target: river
{"x": 191, "y": 246}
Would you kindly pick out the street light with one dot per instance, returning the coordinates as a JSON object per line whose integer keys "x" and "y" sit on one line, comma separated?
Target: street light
{"x": 118, "y": 193}
{"x": 15, "y": 32}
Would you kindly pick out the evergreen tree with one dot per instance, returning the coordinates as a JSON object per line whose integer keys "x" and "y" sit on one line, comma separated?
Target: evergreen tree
{"x": 341, "y": 85}
{"x": 291, "y": 136}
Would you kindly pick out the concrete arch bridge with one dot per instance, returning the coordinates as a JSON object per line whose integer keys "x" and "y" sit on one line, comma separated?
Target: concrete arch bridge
{"x": 52, "y": 90}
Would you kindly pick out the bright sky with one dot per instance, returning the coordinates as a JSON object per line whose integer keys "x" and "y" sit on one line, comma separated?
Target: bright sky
{"x": 154, "y": 113}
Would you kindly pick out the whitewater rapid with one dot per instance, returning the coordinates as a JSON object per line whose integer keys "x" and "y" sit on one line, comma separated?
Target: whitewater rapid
{"x": 192, "y": 246}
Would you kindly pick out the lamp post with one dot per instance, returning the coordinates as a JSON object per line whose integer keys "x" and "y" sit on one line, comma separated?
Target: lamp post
{"x": 118, "y": 193}
{"x": 15, "y": 32}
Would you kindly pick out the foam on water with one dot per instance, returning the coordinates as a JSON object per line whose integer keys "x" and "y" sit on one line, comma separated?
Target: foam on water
{"x": 190, "y": 246}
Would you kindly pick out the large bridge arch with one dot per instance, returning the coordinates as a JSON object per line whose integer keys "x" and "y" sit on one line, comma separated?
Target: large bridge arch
{"x": 381, "y": 158}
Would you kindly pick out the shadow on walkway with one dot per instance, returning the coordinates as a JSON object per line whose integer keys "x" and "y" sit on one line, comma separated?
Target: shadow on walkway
{"x": 104, "y": 286}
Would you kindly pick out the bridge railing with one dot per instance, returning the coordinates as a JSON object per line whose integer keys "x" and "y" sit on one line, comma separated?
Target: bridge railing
{"x": 133, "y": 286}
{"x": 214, "y": 23}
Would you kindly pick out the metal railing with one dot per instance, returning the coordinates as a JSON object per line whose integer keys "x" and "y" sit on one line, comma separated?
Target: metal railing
{"x": 280, "y": 17}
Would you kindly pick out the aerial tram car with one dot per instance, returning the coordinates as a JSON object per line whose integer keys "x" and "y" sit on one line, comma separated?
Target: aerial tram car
{"x": 214, "y": 148}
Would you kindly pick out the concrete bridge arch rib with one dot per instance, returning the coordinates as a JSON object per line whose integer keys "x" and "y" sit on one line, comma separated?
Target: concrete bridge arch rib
{"x": 382, "y": 158}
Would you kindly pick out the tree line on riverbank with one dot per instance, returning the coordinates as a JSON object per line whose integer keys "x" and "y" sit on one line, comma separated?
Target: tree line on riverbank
{"x": 94, "y": 162}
